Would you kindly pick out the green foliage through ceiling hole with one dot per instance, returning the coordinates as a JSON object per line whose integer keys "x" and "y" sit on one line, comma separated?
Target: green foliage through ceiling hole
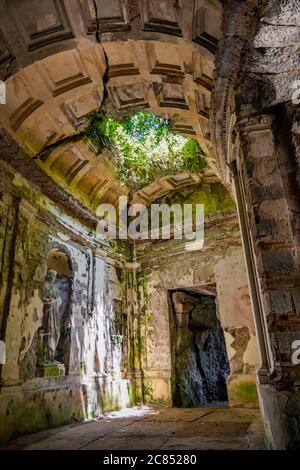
{"x": 144, "y": 147}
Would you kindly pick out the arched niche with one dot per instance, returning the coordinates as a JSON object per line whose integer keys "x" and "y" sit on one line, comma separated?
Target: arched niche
{"x": 59, "y": 260}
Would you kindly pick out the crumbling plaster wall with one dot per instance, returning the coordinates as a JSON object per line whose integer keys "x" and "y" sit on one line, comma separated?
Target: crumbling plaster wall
{"x": 220, "y": 262}
{"x": 94, "y": 382}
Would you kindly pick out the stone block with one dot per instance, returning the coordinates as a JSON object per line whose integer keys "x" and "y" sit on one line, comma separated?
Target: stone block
{"x": 274, "y": 230}
{"x": 262, "y": 145}
{"x": 283, "y": 341}
{"x": 296, "y": 298}
{"x": 280, "y": 301}
{"x": 261, "y": 193}
{"x": 277, "y": 260}
{"x": 265, "y": 228}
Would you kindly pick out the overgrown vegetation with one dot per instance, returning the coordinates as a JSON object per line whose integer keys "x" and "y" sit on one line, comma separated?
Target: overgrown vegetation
{"x": 144, "y": 147}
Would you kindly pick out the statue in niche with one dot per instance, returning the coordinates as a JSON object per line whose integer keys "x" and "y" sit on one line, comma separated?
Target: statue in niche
{"x": 64, "y": 285}
{"x": 52, "y": 317}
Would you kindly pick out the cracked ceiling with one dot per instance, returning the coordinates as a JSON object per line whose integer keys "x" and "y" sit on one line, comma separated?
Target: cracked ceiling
{"x": 68, "y": 59}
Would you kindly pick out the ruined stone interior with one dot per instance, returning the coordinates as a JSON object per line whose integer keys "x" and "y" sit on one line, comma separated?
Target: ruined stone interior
{"x": 155, "y": 323}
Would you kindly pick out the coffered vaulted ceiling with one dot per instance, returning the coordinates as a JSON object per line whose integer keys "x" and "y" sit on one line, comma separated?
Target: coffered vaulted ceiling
{"x": 62, "y": 60}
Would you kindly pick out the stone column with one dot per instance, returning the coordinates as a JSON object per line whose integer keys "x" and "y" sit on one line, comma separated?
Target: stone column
{"x": 268, "y": 226}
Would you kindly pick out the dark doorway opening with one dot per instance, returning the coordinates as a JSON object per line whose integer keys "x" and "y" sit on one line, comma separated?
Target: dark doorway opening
{"x": 200, "y": 364}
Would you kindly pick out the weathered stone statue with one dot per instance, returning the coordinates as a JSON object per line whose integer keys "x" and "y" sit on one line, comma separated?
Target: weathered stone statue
{"x": 52, "y": 317}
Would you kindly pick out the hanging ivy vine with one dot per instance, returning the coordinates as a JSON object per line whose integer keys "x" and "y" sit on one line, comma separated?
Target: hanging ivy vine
{"x": 144, "y": 147}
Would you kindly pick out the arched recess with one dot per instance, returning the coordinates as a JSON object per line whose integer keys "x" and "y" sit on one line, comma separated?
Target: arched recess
{"x": 59, "y": 260}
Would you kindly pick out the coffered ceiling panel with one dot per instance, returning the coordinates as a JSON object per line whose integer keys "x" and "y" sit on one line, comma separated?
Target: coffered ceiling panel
{"x": 106, "y": 15}
{"x": 161, "y": 16}
{"x": 129, "y": 96}
{"x": 164, "y": 60}
{"x": 207, "y": 23}
{"x": 121, "y": 59}
{"x": 46, "y": 23}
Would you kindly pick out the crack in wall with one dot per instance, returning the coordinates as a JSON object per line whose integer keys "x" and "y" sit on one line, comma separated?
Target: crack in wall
{"x": 97, "y": 34}
{"x": 78, "y": 136}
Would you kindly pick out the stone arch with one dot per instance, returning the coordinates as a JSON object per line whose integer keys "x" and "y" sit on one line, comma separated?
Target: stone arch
{"x": 137, "y": 59}
{"x": 48, "y": 120}
{"x": 56, "y": 27}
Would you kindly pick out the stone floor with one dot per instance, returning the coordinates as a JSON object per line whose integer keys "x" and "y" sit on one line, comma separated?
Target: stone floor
{"x": 154, "y": 429}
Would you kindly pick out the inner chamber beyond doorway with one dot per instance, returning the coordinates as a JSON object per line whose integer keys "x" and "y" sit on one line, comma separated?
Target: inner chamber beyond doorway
{"x": 200, "y": 365}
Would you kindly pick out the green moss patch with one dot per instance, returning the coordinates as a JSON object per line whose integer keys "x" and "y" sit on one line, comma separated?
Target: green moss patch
{"x": 244, "y": 391}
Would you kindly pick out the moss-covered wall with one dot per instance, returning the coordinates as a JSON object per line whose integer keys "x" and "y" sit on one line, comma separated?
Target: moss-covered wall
{"x": 213, "y": 195}
{"x": 97, "y": 378}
